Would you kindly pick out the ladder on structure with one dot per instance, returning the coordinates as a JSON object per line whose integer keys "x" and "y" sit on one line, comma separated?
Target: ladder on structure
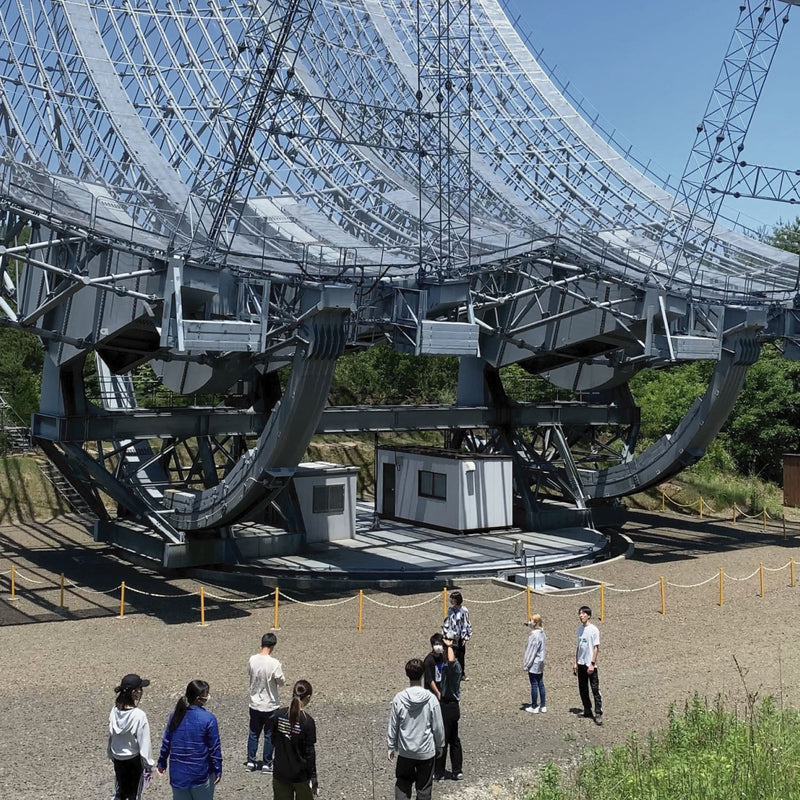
{"x": 17, "y": 434}
{"x": 18, "y": 440}
{"x": 62, "y": 486}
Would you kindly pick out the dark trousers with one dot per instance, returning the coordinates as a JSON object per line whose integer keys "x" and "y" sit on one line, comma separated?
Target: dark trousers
{"x": 291, "y": 791}
{"x": 129, "y": 773}
{"x": 460, "y": 650}
{"x": 451, "y": 713}
{"x": 585, "y": 681}
{"x": 411, "y": 772}
{"x": 260, "y": 720}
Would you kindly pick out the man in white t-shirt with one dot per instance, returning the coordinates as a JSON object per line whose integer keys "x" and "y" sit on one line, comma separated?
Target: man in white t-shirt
{"x": 266, "y": 675}
{"x": 585, "y": 665}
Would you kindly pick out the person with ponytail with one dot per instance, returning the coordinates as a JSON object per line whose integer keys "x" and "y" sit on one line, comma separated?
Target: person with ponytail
{"x": 294, "y": 736}
{"x": 191, "y": 744}
{"x": 129, "y": 740}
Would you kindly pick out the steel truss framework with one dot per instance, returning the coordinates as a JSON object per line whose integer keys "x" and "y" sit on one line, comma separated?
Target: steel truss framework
{"x": 234, "y": 195}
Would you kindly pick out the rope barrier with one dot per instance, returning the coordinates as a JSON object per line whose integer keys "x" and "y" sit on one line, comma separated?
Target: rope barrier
{"x": 676, "y": 503}
{"x": 628, "y": 591}
{"x": 237, "y": 599}
{"x": 692, "y": 585}
{"x": 414, "y": 605}
{"x": 98, "y": 591}
{"x": 153, "y": 594}
{"x": 25, "y": 578}
{"x": 528, "y": 591}
{"x": 472, "y": 601}
{"x": 570, "y": 592}
{"x": 741, "y": 513}
{"x": 737, "y": 514}
{"x": 751, "y": 575}
{"x": 317, "y": 604}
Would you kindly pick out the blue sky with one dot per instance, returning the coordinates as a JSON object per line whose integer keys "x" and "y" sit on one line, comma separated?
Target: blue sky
{"x": 649, "y": 69}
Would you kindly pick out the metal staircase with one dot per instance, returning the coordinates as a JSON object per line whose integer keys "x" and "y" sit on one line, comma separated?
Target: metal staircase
{"x": 18, "y": 442}
{"x": 63, "y": 487}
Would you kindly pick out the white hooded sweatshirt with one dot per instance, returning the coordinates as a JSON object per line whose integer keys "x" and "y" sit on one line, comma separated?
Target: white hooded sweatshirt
{"x": 129, "y": 735}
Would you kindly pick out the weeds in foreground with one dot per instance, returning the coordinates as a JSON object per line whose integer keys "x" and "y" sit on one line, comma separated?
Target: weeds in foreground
{"x": 707, "y": 752}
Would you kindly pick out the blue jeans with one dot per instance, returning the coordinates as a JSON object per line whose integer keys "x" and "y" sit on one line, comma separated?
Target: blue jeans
{"x": 205, "y": 791}
{"x": 537, "y": 688}
{"x": 260, "y": 720}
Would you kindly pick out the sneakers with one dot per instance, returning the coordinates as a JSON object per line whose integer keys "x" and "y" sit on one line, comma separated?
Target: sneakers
{"x": 598, "y": 720}
{"x": 267, "y": 767}
{"x": 250, "y": 766}
{"x": 439, "y": 777}
{"x": 532, "y": 709}
{"x": 459, "y": 776}
{"x": 543, "y": 709}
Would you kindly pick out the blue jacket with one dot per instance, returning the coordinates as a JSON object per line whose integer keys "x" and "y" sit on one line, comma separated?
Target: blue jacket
{"x": 193, "y": 749}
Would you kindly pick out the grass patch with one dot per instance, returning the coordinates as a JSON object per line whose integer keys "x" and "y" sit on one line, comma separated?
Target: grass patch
{"x": 719, "y": 490}
{"x": 707, "y": 752}
{"x": 25, "y": 493}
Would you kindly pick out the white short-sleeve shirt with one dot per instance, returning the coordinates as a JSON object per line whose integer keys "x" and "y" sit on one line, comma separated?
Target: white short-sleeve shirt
{"x": 588, "y": 637}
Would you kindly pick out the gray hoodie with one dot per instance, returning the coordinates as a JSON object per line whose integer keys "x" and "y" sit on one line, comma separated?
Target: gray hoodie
{"x": 415, "y": 724}
{"x": 129, "y": 735}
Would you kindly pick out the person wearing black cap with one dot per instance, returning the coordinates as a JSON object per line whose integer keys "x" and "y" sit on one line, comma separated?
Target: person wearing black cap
{"x": 129, "y": 739}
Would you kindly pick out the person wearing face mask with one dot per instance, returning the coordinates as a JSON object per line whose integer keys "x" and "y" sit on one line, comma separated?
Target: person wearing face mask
{"x": 449, "y": 702}
{"x": 434, "y": 665}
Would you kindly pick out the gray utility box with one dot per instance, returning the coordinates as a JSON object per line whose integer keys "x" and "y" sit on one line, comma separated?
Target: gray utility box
{"x": 327, "y": 497}
{"x": 445, "y": 489}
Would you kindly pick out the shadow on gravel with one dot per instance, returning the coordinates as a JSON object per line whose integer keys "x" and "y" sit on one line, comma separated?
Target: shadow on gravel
{"x": 660, "y": 537}
{"x": 42, "y": 551}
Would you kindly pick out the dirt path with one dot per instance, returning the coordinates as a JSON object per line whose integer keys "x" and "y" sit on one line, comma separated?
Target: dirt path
{"x": 59, "y": 675}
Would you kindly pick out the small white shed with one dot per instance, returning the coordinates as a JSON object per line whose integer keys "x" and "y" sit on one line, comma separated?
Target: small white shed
{"x": 327, "y": 496}
{"x": 446, "y": 489}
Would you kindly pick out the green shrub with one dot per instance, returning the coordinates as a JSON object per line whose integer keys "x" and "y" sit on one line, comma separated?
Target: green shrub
{"x": 707, "y": 752}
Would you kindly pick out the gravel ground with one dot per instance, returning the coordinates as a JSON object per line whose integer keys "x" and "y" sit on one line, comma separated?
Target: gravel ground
{"x": 60, "y": 665}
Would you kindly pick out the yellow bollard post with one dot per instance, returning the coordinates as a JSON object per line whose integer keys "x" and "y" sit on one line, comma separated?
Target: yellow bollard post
{"x": 765, "y": 518}
{"x": 61, "y": 601}
{"x": 275, "y": 625}
{"x": 734, "y": 513}
{"x": 202, "y": 606}
{"x": 602, "y": 602}
{"x": 761, "y": 576}
{"x": 444, "y": 602}
{"x": 701, "y": 506}
{"x": 13, "y": 583}
{"x": 663, "y": 599}
{"x": 360, "y": 608}
{"x": 663, "y": 501}
{"x": 791, "y": 571}
{"x": 122, "y": 600}
{"x": 721, "y": 586}
{"x": 528, "y": 599}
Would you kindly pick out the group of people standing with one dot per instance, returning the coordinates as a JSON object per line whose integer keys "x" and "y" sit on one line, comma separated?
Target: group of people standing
{"x": 290, "y": 733}
{"x": 190, "y": 743}
{"x": 191, "y": 747}
{"x": 423, "y": 722}
{"x": 584, "y": 665}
